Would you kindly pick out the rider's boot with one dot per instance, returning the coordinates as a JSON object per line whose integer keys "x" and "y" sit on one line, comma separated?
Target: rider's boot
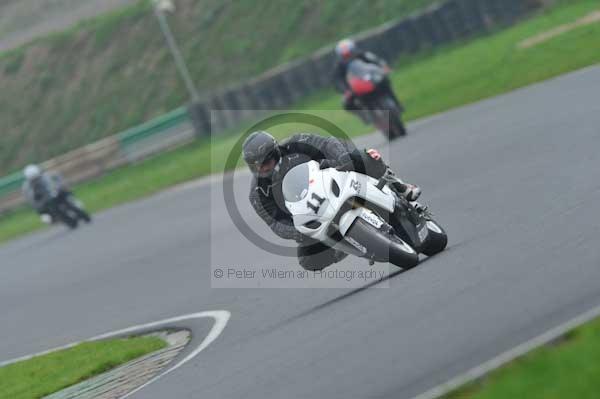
{"x": 408, "y": 191}
{"x": 419, "y": 207}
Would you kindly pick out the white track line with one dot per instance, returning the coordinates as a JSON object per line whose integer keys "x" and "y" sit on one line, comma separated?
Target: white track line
{"x": 221, "y": 318}
{"x": 509, "y": 355}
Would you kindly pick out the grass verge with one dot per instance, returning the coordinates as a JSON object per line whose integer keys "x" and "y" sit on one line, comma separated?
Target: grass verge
{"x": 568, "y": 368}
{"x": 46, "y": 374}
{"x": 428, "y": 83}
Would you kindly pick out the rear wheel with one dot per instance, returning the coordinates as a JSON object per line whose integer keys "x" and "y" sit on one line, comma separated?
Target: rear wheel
{"x": 383, "y": 246}
{"x": 436, "y": 239}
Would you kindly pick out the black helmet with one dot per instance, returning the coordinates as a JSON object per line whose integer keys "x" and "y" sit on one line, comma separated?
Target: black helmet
{"x": 260, "y": 149}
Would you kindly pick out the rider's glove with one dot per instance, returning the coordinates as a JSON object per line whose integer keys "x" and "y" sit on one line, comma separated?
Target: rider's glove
{"x": 374, "y": 154}
{"x": 411, "y": 192}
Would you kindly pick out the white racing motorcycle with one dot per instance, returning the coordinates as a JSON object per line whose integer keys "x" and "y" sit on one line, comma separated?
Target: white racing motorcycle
{"x": 359, "y": 215}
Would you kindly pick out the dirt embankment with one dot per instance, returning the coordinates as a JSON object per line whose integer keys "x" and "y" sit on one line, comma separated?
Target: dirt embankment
{"x": 113, "y": 72}
{"x": 23, "y": 20}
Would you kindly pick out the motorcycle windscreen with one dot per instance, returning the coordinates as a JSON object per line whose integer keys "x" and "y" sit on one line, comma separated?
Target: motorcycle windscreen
{"x": 295, "y": 183}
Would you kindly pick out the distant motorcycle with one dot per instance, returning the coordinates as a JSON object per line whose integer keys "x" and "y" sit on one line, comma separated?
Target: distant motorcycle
{"x": 371, "y": 85}
{"x": 63, "y": 207}
{"x": 347, "y": 211}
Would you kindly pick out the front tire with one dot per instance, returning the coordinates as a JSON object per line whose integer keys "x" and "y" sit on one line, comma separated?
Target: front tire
{"x": 436, "y": 241}
{"x": 394, "y": 127}
{"x": 82, "y": 214}
{"x": 77, "y": 208}
{"x": 383, "y": 246}
{"x": 397, "y": 126}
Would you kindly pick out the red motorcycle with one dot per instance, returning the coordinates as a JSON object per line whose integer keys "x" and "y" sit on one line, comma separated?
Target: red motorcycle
{"x": 370, "y": 84}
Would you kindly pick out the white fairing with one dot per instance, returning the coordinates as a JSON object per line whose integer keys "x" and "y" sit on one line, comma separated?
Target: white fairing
{"x": 310, "y": 198}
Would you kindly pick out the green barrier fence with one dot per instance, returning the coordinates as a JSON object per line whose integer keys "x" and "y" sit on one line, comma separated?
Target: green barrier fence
{"x": 11, "y": 183}
{"x": 153, "y": 127}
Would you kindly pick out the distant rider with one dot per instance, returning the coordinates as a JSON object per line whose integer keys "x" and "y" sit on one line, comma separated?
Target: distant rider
{"x": 42, "y": 187}
{"x": 269, "y": 161}
{"x": 346, "y": 51}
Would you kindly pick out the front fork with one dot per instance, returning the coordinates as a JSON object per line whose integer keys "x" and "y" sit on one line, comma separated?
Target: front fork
{"x": 407, "y": 219}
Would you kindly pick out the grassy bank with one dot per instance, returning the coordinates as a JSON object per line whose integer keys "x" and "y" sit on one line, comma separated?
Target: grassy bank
{"x": 46, "y": 374}
{"x": 427, "y": 83}
{"x": 569, "y": 368}
{"x": 113, "y": 72}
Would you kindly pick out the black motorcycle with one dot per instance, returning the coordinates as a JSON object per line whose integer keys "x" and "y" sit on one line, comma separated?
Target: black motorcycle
{"x": 370, "y": 84}
{"x": 63, "y": 207}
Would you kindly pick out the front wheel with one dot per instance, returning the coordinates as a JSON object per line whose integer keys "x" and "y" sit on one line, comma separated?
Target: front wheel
{"x": 77, "y": 208}
{"x": 383, "y": 246}
{"x": 436, "y": 241}
{"x": 390, "y": 123}
{"x": 397, "y": 127}
{"x": 82, "y": 214}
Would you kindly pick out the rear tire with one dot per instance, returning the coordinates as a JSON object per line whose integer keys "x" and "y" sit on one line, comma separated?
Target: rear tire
{"x": 384, "y": 247}
{"x": 437, "y": 239}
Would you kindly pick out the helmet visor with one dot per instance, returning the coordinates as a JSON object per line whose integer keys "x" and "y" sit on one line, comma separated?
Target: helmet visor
{"x": 266, "y": 167}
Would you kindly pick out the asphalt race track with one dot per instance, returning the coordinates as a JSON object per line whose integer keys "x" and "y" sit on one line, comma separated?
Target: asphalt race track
{"x": 514, "y": 179}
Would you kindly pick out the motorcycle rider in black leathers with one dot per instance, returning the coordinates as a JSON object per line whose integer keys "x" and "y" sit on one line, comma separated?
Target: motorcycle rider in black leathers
{"x": 41, "y": 188}
{"x": 269, "y": 161}
{"x": 347, "y": 51}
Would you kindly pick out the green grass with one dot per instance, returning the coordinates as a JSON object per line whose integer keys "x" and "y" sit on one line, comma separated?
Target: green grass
{"x": 427, "y": 83}
{"x": 112, "y": 72}
{"x": 46, "y": 374}
{"x": 566, "y": 369}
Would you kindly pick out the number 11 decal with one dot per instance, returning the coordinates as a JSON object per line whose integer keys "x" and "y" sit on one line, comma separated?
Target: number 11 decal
{"x": 316, "y": 207}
